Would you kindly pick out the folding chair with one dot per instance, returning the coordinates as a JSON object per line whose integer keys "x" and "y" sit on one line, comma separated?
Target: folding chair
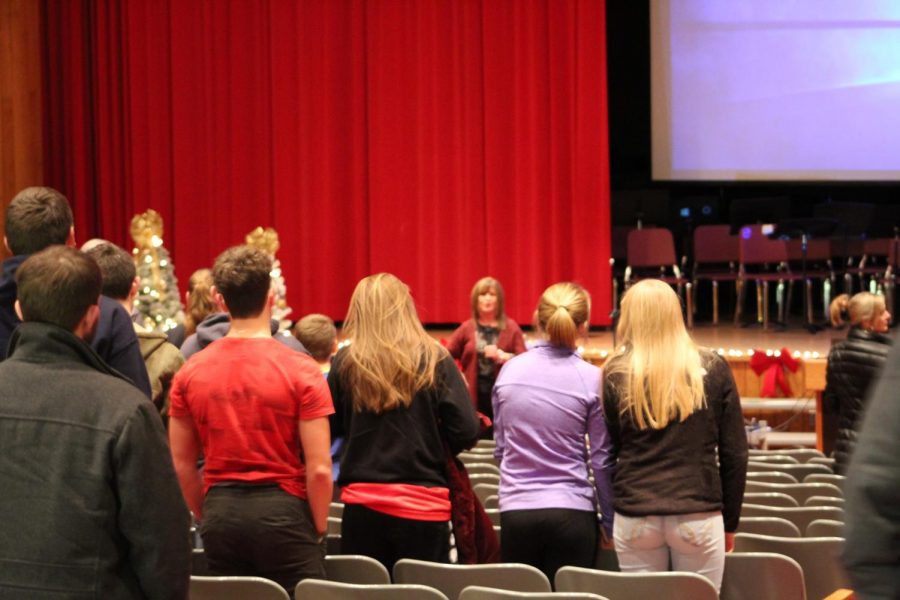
{"x": 319, "y": 589}
{"x": 716, "y": 254}
{"x": 762, "y": 262}
{"x": 801, "y": 517}
{"x": 651, "y": 254}
{"x": 768, "y": 526}
{"x": 357, "y": 569}
{"x": 452, "y": 579}
{"x": 770, "y": 499}
{"x": 235, "y": 588}
{"x": 801, "y": 492}
{"x": 822, "y": 572}
{"x": 474, "y": 592}
{"x": 825, "y": 528}
{"x": 671, "y": 585}
{"x": 762, "y": 575}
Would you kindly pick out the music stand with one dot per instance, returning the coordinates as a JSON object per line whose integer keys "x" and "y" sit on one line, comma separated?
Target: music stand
{"x": 804, "y": 230}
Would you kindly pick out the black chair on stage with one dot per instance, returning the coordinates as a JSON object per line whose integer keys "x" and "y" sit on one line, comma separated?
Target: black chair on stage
{"x": 854, "y": 221}
{"x": 810, "y": 250}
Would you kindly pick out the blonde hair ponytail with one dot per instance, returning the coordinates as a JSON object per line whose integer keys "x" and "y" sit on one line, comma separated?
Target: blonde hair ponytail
{"x": 200, "y": 301}
{"x": 562, "y": 309}
{"x": 862, "y": 308}
{"x": 657, "y": 369}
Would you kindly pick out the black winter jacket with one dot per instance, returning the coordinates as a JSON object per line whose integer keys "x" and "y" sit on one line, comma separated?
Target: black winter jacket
{"x": 90, "y": 504}
{"x": 673, "y": 471}
{"x": 853, "y": 366}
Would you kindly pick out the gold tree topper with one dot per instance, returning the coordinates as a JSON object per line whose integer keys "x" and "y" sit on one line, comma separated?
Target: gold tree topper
{"x": 264, "y": 239}
{"x": 147, "y": 229}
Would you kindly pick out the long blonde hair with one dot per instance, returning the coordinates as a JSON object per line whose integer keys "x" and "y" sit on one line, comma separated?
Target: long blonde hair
{"x": 200, "y": 303}
{"x": 391, "y": 357}
{"x": 562, "y": 309}
{"x": 657, "y": 369}
{"x": 863, "y": 308}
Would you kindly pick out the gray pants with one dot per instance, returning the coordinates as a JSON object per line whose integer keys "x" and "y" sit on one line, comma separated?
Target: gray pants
{"x": 694, "y": 542}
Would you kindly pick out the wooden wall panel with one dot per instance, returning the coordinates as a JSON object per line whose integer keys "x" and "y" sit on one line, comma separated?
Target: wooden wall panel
{"x": 21, "y": 142}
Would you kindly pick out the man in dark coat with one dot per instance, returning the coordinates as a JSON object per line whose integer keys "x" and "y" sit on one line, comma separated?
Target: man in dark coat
{"x": 39, "y": 217}
{"x": 90, "y": 502}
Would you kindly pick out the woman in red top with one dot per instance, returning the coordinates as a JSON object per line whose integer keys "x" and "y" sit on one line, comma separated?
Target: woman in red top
{"x": 486, "y": 341}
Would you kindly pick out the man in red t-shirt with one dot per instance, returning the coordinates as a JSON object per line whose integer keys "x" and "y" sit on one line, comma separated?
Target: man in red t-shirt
{"x": 254, "y": 407}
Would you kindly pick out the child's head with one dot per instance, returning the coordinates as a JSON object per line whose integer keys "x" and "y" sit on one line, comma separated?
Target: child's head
{"x": 318, "y": 335}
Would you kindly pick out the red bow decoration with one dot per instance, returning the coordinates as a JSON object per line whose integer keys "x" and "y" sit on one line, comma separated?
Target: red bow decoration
{"x": 772, "y": 367}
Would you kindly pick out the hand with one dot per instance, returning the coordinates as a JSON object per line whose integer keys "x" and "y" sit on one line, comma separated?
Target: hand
{"x": 729, "y": 542}
{"x": 491, "y": 351}
{"x": 606, "y": 542}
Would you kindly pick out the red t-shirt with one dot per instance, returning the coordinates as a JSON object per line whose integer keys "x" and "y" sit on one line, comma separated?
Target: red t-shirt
{"x": 246, "y": 397}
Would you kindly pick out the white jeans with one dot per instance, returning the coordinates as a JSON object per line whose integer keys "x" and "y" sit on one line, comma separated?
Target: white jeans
{"x": 695, "y": 543}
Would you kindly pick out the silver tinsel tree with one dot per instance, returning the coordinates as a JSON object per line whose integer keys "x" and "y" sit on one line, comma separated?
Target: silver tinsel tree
{"x": 158, "y": 302}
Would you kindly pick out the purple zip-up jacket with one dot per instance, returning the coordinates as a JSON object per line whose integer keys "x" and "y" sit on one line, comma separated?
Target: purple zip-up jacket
{"x": 546, "y": 403}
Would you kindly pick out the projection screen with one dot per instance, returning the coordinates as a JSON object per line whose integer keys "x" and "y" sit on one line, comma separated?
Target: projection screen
{"x": 775, "y": 90}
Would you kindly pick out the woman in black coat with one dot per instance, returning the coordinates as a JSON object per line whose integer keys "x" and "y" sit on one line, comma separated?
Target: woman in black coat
{"x": 854, "y": 364}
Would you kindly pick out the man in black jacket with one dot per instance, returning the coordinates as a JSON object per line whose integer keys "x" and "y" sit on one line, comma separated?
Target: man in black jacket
{"x": 90, "y": 503}
{"x": 39, "y": 217}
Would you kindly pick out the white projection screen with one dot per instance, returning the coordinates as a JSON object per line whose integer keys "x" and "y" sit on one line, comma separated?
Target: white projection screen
{"x": 771, "y": 90}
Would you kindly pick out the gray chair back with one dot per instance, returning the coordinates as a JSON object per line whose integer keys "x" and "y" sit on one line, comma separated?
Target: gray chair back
{"x": 799, "y": 472}
{"x": 775, "y": 458}
{"x": 825, "y": 528}
{"x": 355, "y": 568}
{"x": 319, "y": 589}
{"x": 768, "y": 526}
{"x": 822, "y": 572}
{"x": 754, "y": 575}
{"x": 833, "y": 479}
{"x": 801, "y": 516}
{"x": 452, "y": 579}
{"x": 235, "y": 588}
{"x": 770, "y": 477}
{"x": 801, "y": 454}
{"x": 770, "y": 499}
{"x": 483, "y": 490}
{"x": 799, "y": 491}
{"x": 474, "y": 592}
{"x": 670, "y": 585}
{"x": 824, "y": 501}
{"x": 475, "y": 468}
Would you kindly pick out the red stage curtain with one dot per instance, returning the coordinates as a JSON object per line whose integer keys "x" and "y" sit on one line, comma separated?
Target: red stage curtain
{"x": 441, "y": 140}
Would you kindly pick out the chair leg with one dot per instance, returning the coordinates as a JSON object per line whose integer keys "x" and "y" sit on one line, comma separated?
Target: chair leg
{"x": 809, "y": 302}
{"x": 762, "y": 298}
{"x": 765, "y": 303}
{"x": 715, "y": 295}
{"x": 739, "y": 291}
{"x": 689, "y": 295}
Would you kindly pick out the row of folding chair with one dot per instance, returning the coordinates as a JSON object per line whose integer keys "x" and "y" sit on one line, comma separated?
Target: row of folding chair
{"x": 780, "y": 527}
{"x": 760, "y": 567}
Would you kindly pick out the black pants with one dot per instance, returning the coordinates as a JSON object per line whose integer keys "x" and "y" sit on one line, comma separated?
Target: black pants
{"x": 387, "y": 539}
{"x": 549, "y": 538}
{"x": 261, "y": 531}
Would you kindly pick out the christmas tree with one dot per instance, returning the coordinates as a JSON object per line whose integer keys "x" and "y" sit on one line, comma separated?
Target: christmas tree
{"x": 267, "y": 241}
{"x": 158, "y": 302}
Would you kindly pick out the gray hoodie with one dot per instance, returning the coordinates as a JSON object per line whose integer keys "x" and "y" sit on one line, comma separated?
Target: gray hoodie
{"x": 217, "y": 325}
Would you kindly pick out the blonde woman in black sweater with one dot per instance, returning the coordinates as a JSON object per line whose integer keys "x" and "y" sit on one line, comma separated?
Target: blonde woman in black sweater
{"x": 671, "y": 408}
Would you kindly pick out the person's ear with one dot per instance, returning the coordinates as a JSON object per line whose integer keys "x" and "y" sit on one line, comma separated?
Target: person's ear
{"x": 70, "y": 241}
{"x": 88, "y": 323}
{"x": 18, "y": 307}
{"x": 270, "y": 301}
{"x": 219, "y": 299}
{"x": 135, "y": 286}
{"x": 6, "y": 244}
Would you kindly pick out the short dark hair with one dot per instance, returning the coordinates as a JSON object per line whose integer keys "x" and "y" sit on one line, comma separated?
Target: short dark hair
{"x": 38, "y": 217}
{"x": 242, "y": 274}
{"x": 117, "y": 268}
{"x": 57, "y": 286}
{"x": 317, "y": 333}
